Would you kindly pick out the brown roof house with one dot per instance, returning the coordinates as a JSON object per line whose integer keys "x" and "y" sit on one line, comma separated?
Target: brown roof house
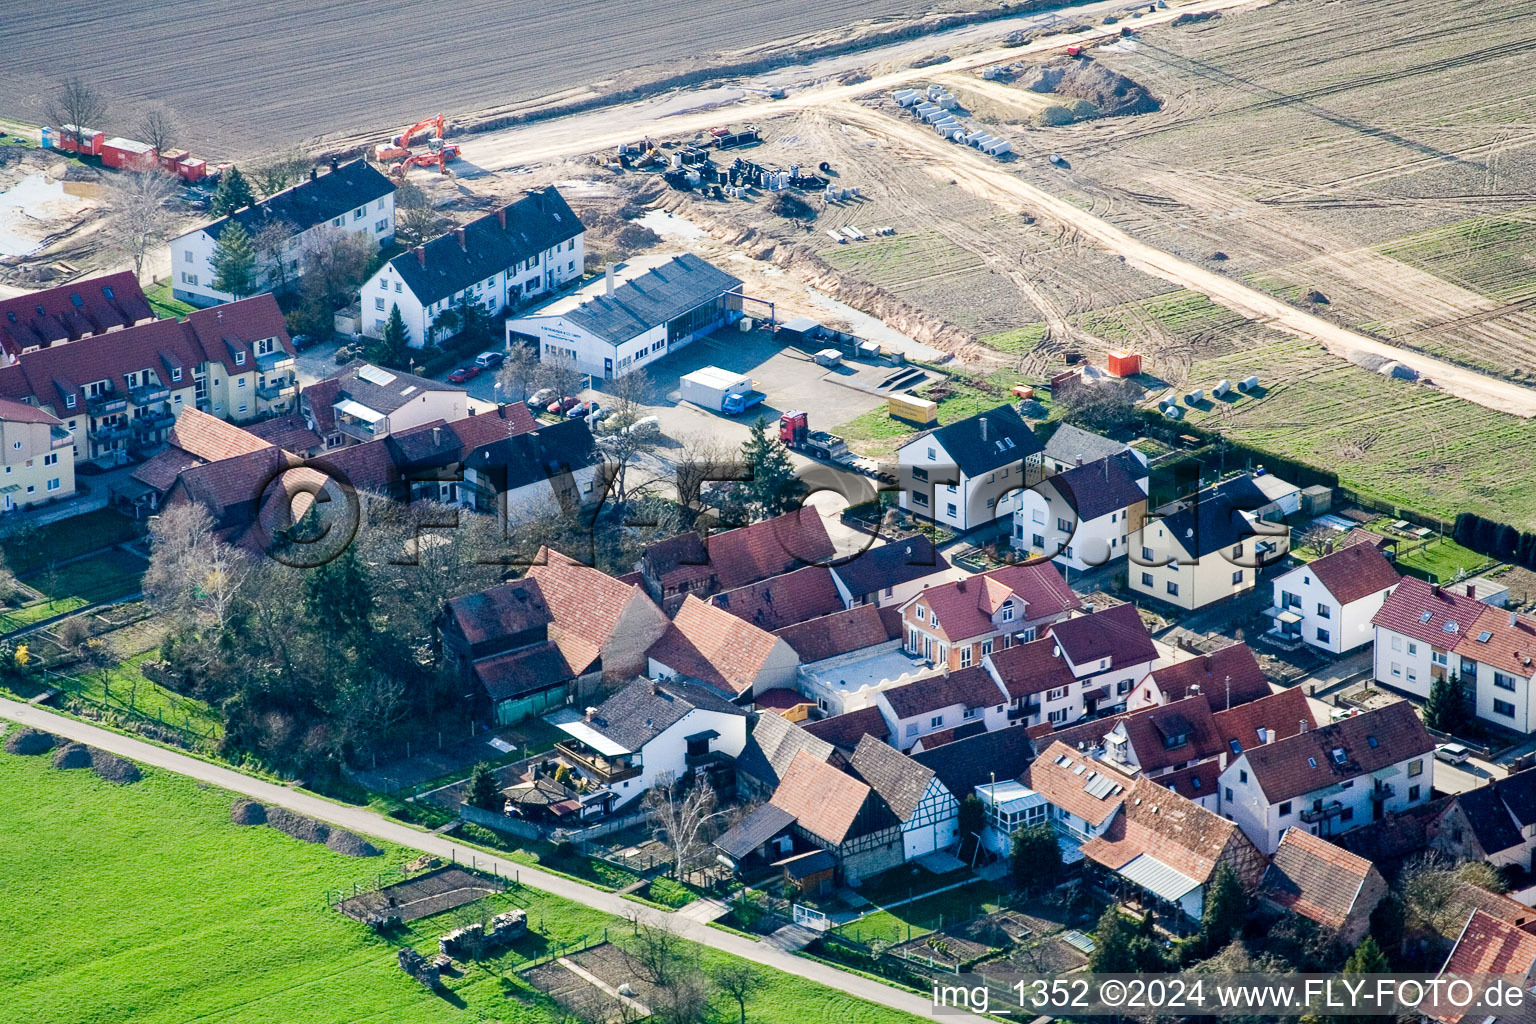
{"x": 714, "y": 647}
{"x": 693, "y": 564}
{"x": 601, "y": 626}
{"x": 942, "y": 701}
{"x": 1084, "y": 794}
{"x": 1230, "y": 676}
{"x": 1488, "y": 945}
{"x": 1329, "y": 603}
{"x": 1324, "y": 883}
{"x": 770, "y": 748}
{"x": 1166, "y": 850}
{"x": 833, "y": 810}
{"x": 498, "y": 642}
{"x": 959, "y": 623}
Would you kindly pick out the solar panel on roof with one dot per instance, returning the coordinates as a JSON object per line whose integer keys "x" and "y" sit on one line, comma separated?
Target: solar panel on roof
{"x": 1101, "y": 786}
{"x": 1079, "y": 769}
{"x": 374, "y": 375}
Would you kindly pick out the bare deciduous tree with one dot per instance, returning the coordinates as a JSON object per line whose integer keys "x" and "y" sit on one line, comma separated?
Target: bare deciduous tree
{"x": 559, "y": 374}
{"x": 703, "y": 459}
{"x": 140, "y": 218}
{"x": 192, "y": 574}
{"x": 685, "y": 1000}
{"x": 272, "y": 242}
{"x": 739, "y": 980}
{"x": 158, "y": 127}
{"x": 278, "y": 171}
{"x": 416, "y": 220}
{"x": 517, "y": 374}
{"x": 686, "y": 819}
{"x": 78, "y": 103}
{"x": 659, "y": 953}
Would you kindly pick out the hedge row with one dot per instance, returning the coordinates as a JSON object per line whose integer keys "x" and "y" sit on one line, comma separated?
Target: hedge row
{"x": 1495, "y": 539}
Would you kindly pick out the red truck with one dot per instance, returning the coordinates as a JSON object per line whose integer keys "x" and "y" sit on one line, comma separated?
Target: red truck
{"x": 796, "y": 434}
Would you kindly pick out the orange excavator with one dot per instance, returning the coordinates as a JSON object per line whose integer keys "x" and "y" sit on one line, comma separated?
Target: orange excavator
{"x": 399, "y": 147}
{"x": 438, "y": 152}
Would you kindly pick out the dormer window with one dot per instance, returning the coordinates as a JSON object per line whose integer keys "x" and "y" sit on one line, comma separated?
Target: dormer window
{"x": 1008, "y": 611}
{"x": 69, "y": 401}
{"x": 1339, "y": 757}
{"x": 175, "y": 373}
{"x": 239, "y": 358}
{"x": 1178, "y": 739}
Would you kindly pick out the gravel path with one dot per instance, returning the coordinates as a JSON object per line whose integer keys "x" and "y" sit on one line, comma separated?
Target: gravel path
{"x": 368, "y": 823}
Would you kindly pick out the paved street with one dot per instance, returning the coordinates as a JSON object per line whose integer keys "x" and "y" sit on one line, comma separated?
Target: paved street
{"x": 366, "y": 822}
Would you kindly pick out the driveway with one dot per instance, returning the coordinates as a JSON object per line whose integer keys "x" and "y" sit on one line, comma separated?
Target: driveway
{"x": 366, "y": 822}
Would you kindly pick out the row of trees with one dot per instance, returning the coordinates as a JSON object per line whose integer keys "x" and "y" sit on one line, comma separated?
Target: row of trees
{"x": 1495, "y": 539}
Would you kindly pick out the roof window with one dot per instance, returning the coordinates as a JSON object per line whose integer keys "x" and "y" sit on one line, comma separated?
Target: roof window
{"x": 1451, "y": 627}
{"x": 1484, "y": 637}
{"x": 1339, "y": 757}
{"x": 1426, "y": 616}
{"x": 1311, "y": 762}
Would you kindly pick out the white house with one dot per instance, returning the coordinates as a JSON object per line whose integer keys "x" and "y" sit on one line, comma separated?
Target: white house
{"x": 1207, "y": 547}
{"x": 501, "y": 261}
{"x": 940, "y": 702}
{"x": 890, "y": 574}
{"x": 1331, "y": 779}
{"x": 651, "y": 731}
{"x": 362, "y": 402}
{"x": 353, "y": 197}
{"x": 928, "y": 812}
{"x": 1084, "y": 795}
{"x": 1329, "y": 603}
{"x": 1108, "y": 653}
{"x": 542, "y": 473}
{"x": 633, "y": 315}
{"x": 1417, "y": 627}
{"x": 1083, "y": 517}
{"x": 970, "y": 472}
{"x": 1039, "y": 683}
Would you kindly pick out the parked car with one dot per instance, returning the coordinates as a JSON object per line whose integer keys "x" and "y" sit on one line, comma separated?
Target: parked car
{"x": 582, "y": 409}
{"x": 561, "y": 406}
{"x": 1452, "y": 753}
{"x": 644, "y": 425}
{"x": 599, "y": 414}
{"x": 542, "y": 397}
{"x": 489, "y": 360}
{"x": 302, "y": 342}
{"x": 464, "y": 373}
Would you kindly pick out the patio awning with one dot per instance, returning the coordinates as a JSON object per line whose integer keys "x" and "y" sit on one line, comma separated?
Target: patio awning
{"x": 592, "y": 738}
{"x": 1288, "y": 617}
{"x": 358, "y": 410}
{"x": 1158, "y": 878}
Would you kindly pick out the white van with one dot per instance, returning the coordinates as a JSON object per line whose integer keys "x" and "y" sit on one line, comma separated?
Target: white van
{"x": 644, "y": 425}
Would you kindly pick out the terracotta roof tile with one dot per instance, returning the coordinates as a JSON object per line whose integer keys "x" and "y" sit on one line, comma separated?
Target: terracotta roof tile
{"x": 1031, "y": 668}
{"x": 1116, "y": 633}
{"x": 847, "y": 729}
{"x": 1194, "y": 782}
{"x": 1060, "y": 774}
{"x": 289, "y": 432}
{"x": 1212, "y": 673}
{"x": 503, "y": 610}
{"x": 781, "y": 601}
{"x": 585, "y": 605}
{"x": 712, "y": 645}
{"x": 1279, "y": 714}
{"x": 823, "y": 800}
{"x": 745, "y": 555}
{"x": 1305, "y": 763}
{"x": 1353, "y": 572}
{"x": 1510, "y": 646}
{"x": 71, "y": 311}
{"x": 1312, "y": 877}
{"x": 839, "y": 633}
{"x": 965, "y": 607}
{"x": 1424, "y": 612}
{"x": 968, "y": 687}
{"x": 1488, "y": 945}
{"x": 15, "y": 411}
{"x": 212, "y": 439}
{"x": 1176, "y": 832}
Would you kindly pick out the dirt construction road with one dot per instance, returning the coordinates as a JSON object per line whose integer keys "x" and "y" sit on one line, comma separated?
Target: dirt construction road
{"x": 366, "y": 822}
{"x": 985, "y": 177}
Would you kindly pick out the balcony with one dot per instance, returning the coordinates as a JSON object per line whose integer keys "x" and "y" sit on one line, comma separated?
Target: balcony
{"x": 356, "y": 428}
{"x": 149, "y": 394}
{"x": 109, "y": 433}
{"x": 1332, "y": 809}
{"x": 605, "y": 770}
{"x": 275, "y": 390}
{"x": 151, "y": 422}
{"x": 107, "y": 404}
{"x": 1383, "y": 791}
{"x": 1025, "y": 711}
{"x": 273, "y": 361}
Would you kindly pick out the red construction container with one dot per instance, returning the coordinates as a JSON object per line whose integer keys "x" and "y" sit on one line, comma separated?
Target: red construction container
{"x": 1124, "y": 363}
{"x": 1074, "y": 51}
{"x": 191, "y": 168}
{"x": 171, "y": 157}
{"x": 86, "y": 141}
{"x": 128, "y": 155}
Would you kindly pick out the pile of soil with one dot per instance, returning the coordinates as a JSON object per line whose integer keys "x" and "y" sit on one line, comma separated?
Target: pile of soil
{"x": 30, "y": 742}
{"x": 350, "y": 844}
{"x": 306, "y": 829}
{"x": 1194, "y": 18}
{"x": 75, "y": 755}
{"x": 1111, "y": 92}
{"x": 115, "y": 769}
{"x": 247, "y": 812}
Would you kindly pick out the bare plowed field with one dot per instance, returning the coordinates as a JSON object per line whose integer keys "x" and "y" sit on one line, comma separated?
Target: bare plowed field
{"x": 245, "y": 77}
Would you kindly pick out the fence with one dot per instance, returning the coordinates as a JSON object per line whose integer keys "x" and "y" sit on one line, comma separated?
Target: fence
{"x": 500, "y": 822}
{"x": 74, "y": 689}
{"x": 605, "y": 828}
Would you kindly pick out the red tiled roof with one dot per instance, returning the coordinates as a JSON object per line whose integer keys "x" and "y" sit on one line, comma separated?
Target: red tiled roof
{"x": 968, "y": 687}
{"x": 162, "y": 469}
{"x": 1116, "y": 633}
{"x": 503, "y": 610}
{"x": 319, "y": 402}
{"x": 1280, "y": 714}
{"x": 781, "y": 699}
{"x": 714, "y": 646}
{"x": 934, "y": 740}
{"x": 1312, "y": 877}
{"x": 1194, "y": 782}
{"x": 1173, "y": 831}
{"x": 1305, "y": 763}
{"x": 1421, "y": 611}
{"x": 746, "y": 555}
{"x": 781, "y": 601}
{"x": 839, "y": 633}
{"x": 1212, "y": 673}
{"x": 1353, "y": 572}
{"x": 1510, "y": 647}
{"x": 226, "y": 329}
{"x": 823, "y": 800}
{"x": 585, "y": 604}
{"x": 105, "y": 303}
{"x": 1150, "y": 730}
{"x": 1487, "y": 946}
{"x": 964, "y": 608}
{"x": 289, "y": 432}
{"x": 212, "y": 439}
{"x": 1060, "y": 773}
{"x": 847, "y": 729}
{"x": 225, "y": 486}
{"x": 13, "y": 411}
{"x": 1031, "y": 668}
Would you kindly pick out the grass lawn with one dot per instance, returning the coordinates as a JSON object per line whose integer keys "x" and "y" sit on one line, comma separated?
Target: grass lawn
{"x": 144, "y": 903}
{"x": 125, "y": 686}
{"x": 112, "y": 574}
{"x": 876, "y": 435}
{"x": 925, "y": 915}
{"x": 1439, "y": 555}
{"x": 29, "y": 550}
{"x": 164, "y": 305}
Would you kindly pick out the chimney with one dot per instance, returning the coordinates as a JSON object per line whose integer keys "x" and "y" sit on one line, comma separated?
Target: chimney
{"x": 437, "y": 436}
{"x": 1303, "y": 725}
{"x": 1514, "y": 619}
{"x": 1079, "y": 460}
{"x": 501, "y": 218}
{"x": 1434, "y": 589}
{"x": 313, "y": 173}
{"x": 421, "y": 255}
{"x": 983, "y": 428}
{"x": 459, "y": 234}
{"x": 608, "y": 279}
{"x": 335, "y": 163}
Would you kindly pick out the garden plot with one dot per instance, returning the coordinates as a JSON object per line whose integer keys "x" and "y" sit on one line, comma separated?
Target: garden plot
{"x": 422, "y": 896}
